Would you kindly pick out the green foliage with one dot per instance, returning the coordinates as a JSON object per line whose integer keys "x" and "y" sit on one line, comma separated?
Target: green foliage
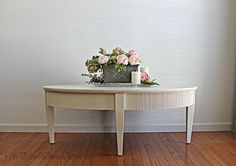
{"x": 150, "y": 82}
{"x": 103, "y": 51}
{"x": 94, "y": 78}
{"x": 112, "y": 60}
{"x": 92, "y": 64}
{"x": 117, "y": 51}
{"x": 120, "y": 67}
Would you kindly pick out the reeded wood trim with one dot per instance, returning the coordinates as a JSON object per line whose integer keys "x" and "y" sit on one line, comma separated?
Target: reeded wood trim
{"x": 155, "y": 101}
{"x": 81, "y": 101}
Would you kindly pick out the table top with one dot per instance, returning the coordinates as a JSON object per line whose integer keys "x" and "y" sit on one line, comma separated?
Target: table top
{"x": 113, "y": 88}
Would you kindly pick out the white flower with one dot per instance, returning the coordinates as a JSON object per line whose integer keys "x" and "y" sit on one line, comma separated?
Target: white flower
{"x": 102, "y": 59}
{"x": 132, "y": 52}
{"x": 122, "y": 59}
{"x": 134, "y": 59}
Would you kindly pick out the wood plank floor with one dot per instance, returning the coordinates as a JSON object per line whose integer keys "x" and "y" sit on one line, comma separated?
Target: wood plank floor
{"x": 142, "y": 149}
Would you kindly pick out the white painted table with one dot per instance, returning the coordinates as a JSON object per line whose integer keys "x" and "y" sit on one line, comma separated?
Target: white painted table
{"x": 118, "y": 99}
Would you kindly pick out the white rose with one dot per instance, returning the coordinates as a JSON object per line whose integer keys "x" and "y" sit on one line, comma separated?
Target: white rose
{"x": 122, "y": 59}
{"x": 134, "y": 60}
{"x": 102, "y": 59}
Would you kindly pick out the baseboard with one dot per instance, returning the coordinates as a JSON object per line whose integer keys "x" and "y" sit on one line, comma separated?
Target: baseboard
{"x": 227, "y": 126}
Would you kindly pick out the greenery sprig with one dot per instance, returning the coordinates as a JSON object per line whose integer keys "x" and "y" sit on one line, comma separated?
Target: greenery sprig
{"x": 150, "y": 82}
{"x": 94, "y": 78}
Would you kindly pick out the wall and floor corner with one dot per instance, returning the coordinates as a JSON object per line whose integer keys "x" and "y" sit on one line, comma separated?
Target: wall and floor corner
{"x": 234, "y": 118}
{"x": 185, "y": 43}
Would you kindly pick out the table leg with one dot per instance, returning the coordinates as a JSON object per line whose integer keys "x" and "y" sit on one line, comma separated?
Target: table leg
{"x": 119, "y": 109}
{"x": 189, "y": 122}
{"x": 50, "y": 120}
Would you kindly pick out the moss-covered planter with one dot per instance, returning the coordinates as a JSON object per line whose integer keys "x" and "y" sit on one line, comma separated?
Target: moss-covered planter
{"x": 111, "y": 75}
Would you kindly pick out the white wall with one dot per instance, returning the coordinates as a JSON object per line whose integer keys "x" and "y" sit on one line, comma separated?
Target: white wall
{"x": 185, "y": 43}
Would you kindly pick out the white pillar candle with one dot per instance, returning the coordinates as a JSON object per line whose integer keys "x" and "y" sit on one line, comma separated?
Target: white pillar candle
{"x": 135, "y": 77}
{"x": 145, "y": 69}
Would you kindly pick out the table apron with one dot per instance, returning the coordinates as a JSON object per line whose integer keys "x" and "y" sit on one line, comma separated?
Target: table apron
{"x": 132, "y": 101}
{"x": 88, "y": 101}
{"x": 155, "y": 101}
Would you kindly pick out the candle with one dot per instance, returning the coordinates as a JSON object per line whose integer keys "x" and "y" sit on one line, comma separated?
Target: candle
{"x": 135, "y": 77}
{"x": 145, "y": 69}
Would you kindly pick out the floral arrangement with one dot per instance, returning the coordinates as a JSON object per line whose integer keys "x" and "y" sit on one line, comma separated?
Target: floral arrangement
{"x": 146, "y": 79}
{"x": 119, "y": 58}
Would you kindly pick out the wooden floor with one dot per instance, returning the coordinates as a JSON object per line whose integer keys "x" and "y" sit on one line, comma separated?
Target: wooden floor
{"x": 143, "y": 149}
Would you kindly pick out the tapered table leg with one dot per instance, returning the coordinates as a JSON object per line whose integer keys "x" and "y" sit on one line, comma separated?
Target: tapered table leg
{"x": 119, "y": 109}
{"x": 50, "y": 120}
{"x": 189, "y": 122}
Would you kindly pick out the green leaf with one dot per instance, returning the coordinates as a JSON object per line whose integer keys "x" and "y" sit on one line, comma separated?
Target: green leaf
{"x": 152, "y": 82}
{"x": 120, "y": 67}
{"x": 101, "y": 50}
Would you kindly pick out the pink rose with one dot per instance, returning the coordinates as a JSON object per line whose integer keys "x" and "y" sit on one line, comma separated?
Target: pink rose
{"x": 145, "y": 76}
{"x": 134, "y": 60}
{"x": 122, "y": 59}
{"x": 102, "y": 59}
{"x": 132, "y": 52}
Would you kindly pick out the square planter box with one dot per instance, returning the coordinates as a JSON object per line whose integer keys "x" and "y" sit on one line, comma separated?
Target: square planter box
{"x": 113, "y": 76}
